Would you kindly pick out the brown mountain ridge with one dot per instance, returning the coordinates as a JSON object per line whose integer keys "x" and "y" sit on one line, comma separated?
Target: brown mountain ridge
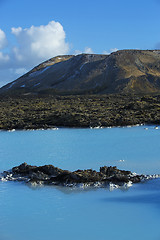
{"x": 124, "y": 71}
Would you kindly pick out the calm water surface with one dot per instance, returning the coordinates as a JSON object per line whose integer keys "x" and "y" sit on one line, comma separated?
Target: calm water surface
{"x": 65, "y": 213}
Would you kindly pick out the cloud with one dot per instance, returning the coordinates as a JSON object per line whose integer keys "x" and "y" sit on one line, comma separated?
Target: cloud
{"x": 110, "y": 51}
{"x": 3, "y": 39}
{"x": 113, "y": 49}
{"x": 3, "y": 43}
{"x": 87, "y": 50}
{"x": 32, "y": 46}
{"x": 36, "y": 44}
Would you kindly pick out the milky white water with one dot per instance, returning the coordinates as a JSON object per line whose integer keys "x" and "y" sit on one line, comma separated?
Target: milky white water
{"x": 64, "y": 213}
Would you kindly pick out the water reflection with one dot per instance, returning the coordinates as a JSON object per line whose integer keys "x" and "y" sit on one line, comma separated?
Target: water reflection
{"x": 77, "y": 188}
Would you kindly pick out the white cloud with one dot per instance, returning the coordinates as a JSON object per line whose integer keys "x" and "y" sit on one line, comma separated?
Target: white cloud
{"x": 3, "y": 39}
{"x": 16, "y": 31}
{"x": 110, "y": 51}
{"x": 36, "y": 44}
{"x": 113, "y": 49}
{"x": 33, "y": 45}
{"x": 88, "y": 50}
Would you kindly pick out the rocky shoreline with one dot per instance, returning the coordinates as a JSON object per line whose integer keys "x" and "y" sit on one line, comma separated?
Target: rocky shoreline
{"x": 110, "y": 177}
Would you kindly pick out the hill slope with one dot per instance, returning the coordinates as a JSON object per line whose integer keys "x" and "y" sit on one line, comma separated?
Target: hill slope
{"x": 126, "y": 71}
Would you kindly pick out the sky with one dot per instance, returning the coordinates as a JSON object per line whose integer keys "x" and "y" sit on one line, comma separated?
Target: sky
{"x": 32, "y": 31}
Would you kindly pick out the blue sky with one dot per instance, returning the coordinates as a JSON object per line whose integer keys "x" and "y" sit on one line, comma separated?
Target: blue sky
{"x": 33, "y": 31}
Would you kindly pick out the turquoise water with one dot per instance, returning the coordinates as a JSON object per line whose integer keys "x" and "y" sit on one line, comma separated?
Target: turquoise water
{"x": 65, "y": 213}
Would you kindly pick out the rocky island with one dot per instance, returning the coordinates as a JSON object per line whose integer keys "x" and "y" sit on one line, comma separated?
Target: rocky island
{"x": 49, "y": 175}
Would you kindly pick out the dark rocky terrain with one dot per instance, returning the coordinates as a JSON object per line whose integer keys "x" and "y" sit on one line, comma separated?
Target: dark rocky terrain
{"x": 78, "y": 111}
{"x": 87, "y": 90}
{"x": 50, "y": 175}
{"x": 125, "y": 71}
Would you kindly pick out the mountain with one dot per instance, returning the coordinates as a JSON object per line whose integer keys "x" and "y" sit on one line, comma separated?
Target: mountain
{"x": 125, "y": 71}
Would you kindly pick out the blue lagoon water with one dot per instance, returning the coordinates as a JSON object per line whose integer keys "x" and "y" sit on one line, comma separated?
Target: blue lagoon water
{"x": 65, "y": 213}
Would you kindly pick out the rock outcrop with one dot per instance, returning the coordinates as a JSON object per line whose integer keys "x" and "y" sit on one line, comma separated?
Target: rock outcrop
{"x": 50, "y": 175}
